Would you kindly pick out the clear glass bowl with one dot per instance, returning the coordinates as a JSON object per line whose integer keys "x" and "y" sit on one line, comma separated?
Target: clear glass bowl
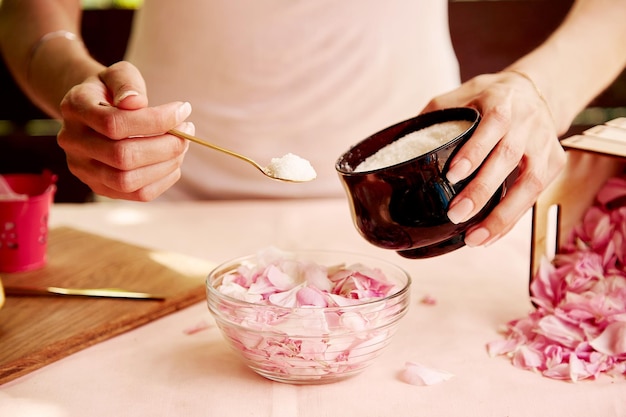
{"x": 309, "y": 344}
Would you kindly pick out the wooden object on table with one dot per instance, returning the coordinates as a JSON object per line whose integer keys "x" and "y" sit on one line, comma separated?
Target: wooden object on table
{"x": 35, "y": 331}
{"x": 592, "y": 158}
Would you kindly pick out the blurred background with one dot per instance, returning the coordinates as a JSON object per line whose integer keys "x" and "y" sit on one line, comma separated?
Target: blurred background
{"x": 106, "y": 4}
{"x": 487, "y": 35}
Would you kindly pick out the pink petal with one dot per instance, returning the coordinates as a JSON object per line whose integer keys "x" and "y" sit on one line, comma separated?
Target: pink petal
{"x": 527, "y": 358}
{"x": 198, "y": 327}
{"x": 502, "y": 347}
{"x": 310, "y": 296}
{"x": 418, "y": 374}
{"x": 313, "y": 349}
{"x": 428, "y": 300}
{"x": 261, "y": 286}
{"x": 578, "y": 330}
{"x": 559, "y": 331}
{"x": 554, "y": 356}
{"x": 342, "y": 301}
{"x": 577, "y": 370}
{"x": 280, "y": 279}
{"x": 612, "y": 341}
{"x": 545, "y": 286}
{"x": 317, "y": 276}
{"x": 560, "y": 371}
{"x": 614, "y": 188}
{"x": 286, "y": 298}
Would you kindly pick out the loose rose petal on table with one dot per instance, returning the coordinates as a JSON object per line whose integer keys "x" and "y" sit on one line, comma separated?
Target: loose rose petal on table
{"x": 577, "y": 369}
{"x": 558, "y": 330}
{"x": 612, "y": 341}
{"x": 545, "y": 287}
{"x": 527, "y": 358}
{"x": 559, "y": 372}
{"x": 428, "y": 300}
{"x": 502, "y": 346}
{"x": 578, "y": 329}
{"x": 418, "y": 374}
{"x": 198, "y": 327}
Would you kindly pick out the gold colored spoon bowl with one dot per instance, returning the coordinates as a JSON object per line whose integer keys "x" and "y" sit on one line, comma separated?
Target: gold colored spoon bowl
{"x": 289, "y": 167}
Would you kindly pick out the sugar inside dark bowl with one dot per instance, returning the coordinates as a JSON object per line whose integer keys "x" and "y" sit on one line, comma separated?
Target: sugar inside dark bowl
{"x": 298, "y": 343}
{"x": 404, "y": 206}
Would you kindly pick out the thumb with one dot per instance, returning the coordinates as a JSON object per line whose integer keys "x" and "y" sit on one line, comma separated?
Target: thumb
{"x": 126, "y": 86}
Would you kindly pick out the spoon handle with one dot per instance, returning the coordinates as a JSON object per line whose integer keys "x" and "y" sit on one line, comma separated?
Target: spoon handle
{"x": 192, "y": 138}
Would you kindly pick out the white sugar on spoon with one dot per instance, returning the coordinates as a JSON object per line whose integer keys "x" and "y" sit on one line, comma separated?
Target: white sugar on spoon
{"x": 291, "y": 167}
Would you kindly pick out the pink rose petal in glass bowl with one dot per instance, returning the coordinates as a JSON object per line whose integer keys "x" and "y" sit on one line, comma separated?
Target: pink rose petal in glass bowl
{"x": 308, "y": 317}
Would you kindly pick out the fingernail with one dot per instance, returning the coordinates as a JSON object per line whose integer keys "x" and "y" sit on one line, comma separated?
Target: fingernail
{"x": 477, "y": 237}
{"x": 183, "y": 111}
{"x": 123, "y": 95}
{"x": 188, "y": 127}
{"x": 459, "y": 171}
{"x": 492, "y": 240}
{"x": 461, "y": 211}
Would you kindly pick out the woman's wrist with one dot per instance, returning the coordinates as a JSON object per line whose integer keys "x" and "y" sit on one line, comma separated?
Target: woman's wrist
{"x": 538, "y": 90}
{"x": 41, "y": 43}
{"x": 57, "y": 62}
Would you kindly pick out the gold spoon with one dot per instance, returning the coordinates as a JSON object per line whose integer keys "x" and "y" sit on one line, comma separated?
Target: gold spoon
{"x": 289, "y": 168}
{"x": 273, "y": 170}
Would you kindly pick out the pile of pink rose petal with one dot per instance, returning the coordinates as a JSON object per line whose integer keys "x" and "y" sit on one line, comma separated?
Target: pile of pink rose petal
{"x": 578, "y": 330}
{"x": 281, "y": 281}
{"x": 304, "y": 318}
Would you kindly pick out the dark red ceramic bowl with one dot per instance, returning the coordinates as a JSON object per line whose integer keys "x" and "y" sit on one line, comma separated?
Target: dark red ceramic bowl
{"x": 403, "y": 207}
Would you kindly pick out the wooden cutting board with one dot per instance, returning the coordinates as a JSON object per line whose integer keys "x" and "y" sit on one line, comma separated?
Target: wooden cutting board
{"x": 35, "y": 331}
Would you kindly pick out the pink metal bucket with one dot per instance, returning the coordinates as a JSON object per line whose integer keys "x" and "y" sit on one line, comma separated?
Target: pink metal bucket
{"x": 24, "y": 223}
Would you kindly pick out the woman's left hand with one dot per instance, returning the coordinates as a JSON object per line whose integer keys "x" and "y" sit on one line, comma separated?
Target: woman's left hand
{"x": 517, "y": 130}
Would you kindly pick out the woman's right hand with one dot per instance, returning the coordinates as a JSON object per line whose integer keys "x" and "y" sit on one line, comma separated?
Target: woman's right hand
{"x": 115, "y": 143}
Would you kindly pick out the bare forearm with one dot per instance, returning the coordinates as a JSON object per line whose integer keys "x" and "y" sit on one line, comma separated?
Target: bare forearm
{"x": 47, "y": 69}
{"x": 581, "y": 58}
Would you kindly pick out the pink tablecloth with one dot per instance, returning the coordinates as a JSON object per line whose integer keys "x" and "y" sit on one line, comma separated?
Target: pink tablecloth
{"x": 160, "y": 370}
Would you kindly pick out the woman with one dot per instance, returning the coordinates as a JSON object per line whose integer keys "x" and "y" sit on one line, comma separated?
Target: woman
{"x": 269, "y": 77}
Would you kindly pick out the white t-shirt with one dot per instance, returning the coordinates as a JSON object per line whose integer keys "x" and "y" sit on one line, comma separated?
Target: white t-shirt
{"x": 270, "y": 77}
